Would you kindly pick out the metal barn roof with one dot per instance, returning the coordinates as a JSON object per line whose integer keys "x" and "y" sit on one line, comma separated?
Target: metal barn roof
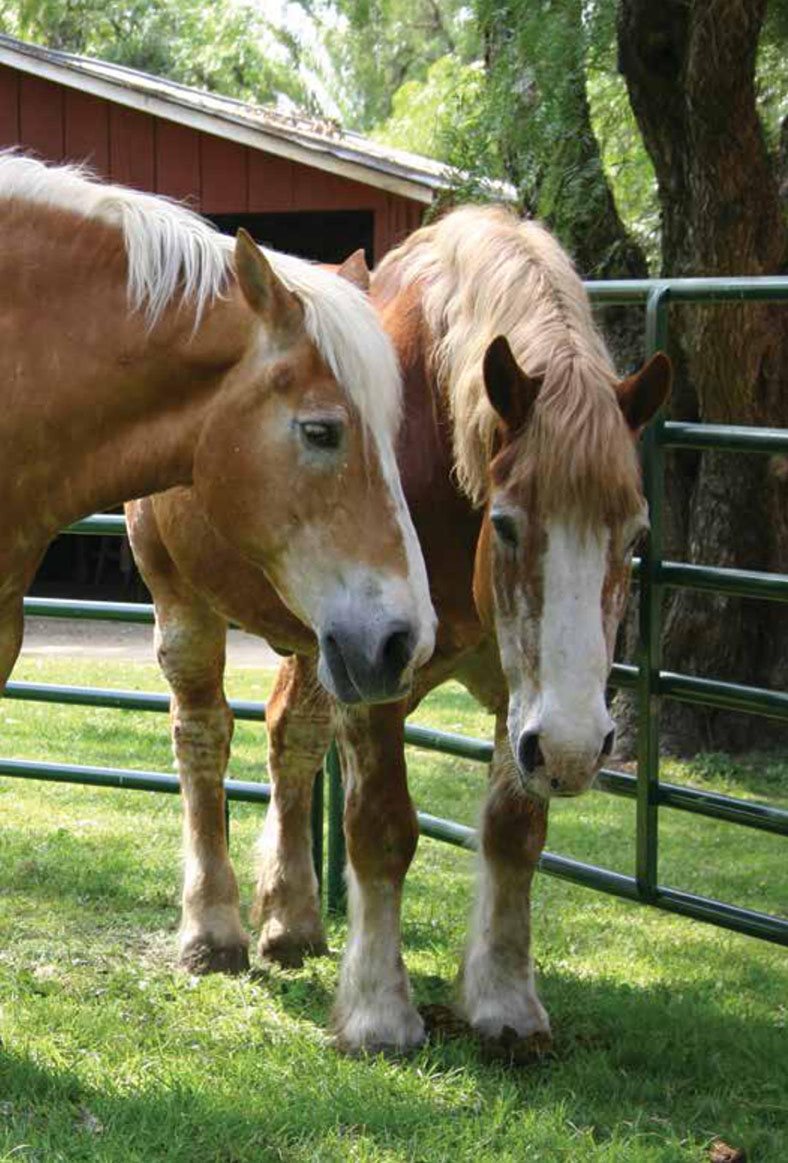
{"x": 322, "y": 144}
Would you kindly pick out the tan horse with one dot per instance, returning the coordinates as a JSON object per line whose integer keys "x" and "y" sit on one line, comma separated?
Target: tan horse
{"x": 518, "y": 461}
{"x": 140, "y": 351}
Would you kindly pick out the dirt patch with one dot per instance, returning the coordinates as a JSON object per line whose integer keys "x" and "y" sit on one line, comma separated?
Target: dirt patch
{"x": 67, "y": 638}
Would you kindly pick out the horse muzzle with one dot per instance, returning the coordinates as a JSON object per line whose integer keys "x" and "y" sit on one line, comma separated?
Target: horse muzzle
{"x": 361, "y": 664}
{"x": 549, "y": 770}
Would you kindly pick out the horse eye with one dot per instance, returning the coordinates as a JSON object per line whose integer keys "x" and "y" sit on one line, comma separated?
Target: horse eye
{"x": 634, "y": 543}
{"x": 505, "y": 528}
{"x": 321, "y": 433}
{"x": 635, "y": 540}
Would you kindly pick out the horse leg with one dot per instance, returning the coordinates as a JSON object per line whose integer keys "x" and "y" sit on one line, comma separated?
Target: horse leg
{"x": 16, "y": 575}
{"x": 374, "y": 1010}
{"x": 11, "y": 631}
{"x": 498, "y": 991}
{"x": 287, "y": 906}
{"x": 190, "y": 644}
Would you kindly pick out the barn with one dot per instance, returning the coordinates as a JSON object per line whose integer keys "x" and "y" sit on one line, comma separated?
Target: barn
{"x": 294, "y": 183}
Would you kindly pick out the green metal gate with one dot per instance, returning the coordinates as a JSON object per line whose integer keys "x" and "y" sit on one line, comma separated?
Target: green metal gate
{"x": 647, "y": 678}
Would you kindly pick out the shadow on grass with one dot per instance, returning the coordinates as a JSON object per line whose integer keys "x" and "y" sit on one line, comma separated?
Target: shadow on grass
{"x": 51, "y": 1113}
{"x": 302, "y": 993}
{"x": 65, "y": 866}
{"x": 624, "y": 1057}
{"x": 654, "y": 1032}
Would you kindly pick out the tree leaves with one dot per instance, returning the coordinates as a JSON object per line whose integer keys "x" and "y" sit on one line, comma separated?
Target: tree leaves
{"x": 218, "y": 45}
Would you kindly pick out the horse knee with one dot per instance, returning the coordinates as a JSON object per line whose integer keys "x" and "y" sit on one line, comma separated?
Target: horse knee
{"x": 514, "y": 825}
{"x": 382, "y": 832}
{"x": 202, "y": 735}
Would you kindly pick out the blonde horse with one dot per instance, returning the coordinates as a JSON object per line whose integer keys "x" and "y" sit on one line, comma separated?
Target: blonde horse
{"x": 519, "y": 465}
{"x": 141, "y": 350}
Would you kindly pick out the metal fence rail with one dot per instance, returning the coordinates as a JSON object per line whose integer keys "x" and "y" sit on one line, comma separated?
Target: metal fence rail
{"x": 647, "y": 678}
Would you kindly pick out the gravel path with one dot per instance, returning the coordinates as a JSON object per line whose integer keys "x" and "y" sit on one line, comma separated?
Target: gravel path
{"x": 64, "y": 638}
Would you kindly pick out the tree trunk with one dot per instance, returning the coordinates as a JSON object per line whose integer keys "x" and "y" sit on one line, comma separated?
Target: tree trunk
{"x": 689, "y": 67}
{"x": 536, "y": 67}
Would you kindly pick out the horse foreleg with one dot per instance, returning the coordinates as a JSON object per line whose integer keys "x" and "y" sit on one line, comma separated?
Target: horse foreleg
{"x": 11, "y": 629}
{"x": 287, "y": 905}
{"x": 374, "y": 1010}
{"x": 498, "y": 990}
{"x": 190, "y": 643}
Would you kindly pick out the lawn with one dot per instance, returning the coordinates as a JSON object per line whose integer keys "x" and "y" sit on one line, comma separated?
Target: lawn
{"x": 668, "y": 1033}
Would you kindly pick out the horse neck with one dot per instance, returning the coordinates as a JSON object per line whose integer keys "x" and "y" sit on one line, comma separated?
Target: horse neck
{"x": 425, "y": 455}
{"x": 446, "y": 523}
{"x": 100, "y": 409}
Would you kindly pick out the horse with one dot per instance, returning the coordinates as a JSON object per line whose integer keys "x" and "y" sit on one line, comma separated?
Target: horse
{"x": 142, "y": 350}
{"x": 518, "y": 459}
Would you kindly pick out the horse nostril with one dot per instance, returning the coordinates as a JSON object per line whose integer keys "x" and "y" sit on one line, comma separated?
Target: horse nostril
{"x": 530, "y": 752}
{"x": 607, "y": 746}
{"x": 397, "y": 652}
{"x": 332, "y": 649}
{"x": 555, "y": 784}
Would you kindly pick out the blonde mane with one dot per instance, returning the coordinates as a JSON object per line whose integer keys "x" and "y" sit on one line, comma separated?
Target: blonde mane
{"x": 482, "y": 272}
{"x": 174, "y": 255}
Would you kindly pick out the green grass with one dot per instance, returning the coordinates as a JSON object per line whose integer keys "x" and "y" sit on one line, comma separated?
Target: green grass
{"x": 667, "y": 1033}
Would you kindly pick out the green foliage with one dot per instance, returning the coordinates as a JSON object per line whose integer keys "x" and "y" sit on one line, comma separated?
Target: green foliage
{"x": 526, "y": 90}
{"x": 374, "y": 47}
{"x": 772, "y": 81}
{"x": 221, "y": 45}
{"x": 439, "y": 115}
{"x": 627, "y": 165}
{"x": 738, "y": 775}
{"x": 541, "y": 124}
{"x": 668, "y": 1033}
{"x": 535, "y": 54}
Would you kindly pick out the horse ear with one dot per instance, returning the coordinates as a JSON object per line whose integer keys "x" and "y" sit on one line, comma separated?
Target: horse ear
{"x": 642, "y": 395}
{"x": 510, "y": 391}
{"x": 264, "y": 292}
{"x": 355, "y": 270}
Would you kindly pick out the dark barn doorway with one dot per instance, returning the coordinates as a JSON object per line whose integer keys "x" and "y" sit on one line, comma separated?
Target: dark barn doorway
{"x": 322, "y": 236}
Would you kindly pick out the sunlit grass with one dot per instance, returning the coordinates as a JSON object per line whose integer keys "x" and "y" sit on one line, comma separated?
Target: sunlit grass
{"x": 668, "y": 1033}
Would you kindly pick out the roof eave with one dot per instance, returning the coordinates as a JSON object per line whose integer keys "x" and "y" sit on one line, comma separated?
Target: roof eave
{"x": 326, "y": 155}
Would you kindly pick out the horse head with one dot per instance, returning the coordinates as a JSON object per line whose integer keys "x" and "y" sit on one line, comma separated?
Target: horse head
{"x": 296, "y": 467}
{"x": 564, "y": 513}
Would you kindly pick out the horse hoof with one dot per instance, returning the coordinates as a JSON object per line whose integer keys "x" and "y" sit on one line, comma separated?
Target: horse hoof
{"x": 515, "y": 1049}
{"x": 361, "y": 1036}
{"x": 379, "y": 1048}
{"x": 289, "y": 952}
{"x": 392, "y": 1052}
{"x": 200, "y": 958}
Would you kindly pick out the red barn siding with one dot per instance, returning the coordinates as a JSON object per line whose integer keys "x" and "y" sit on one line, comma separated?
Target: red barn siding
{"x": 41, "y": 120}
{"x": 318, "y": 190}
{"x": 178, "y": 162}
{"x": 223, "y": 166}
{"x": 9, "y": 107}
{"x": 404, "y": 217}
{"x": 272, "y": 184}
{"x": 86, "y": 135}
{"x": 132, "y": 158}
{"x": 216, "y": 176}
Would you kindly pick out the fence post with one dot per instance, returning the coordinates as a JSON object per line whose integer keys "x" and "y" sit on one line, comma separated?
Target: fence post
{"x": 336, "y": 897}
{"x": 318, "y": 826}
{"x": 650, "y": 626}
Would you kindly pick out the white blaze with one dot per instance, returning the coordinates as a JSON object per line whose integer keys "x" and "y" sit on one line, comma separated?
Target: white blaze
{"x": 562, "y": 697}
{"x": 573, "y": 655}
